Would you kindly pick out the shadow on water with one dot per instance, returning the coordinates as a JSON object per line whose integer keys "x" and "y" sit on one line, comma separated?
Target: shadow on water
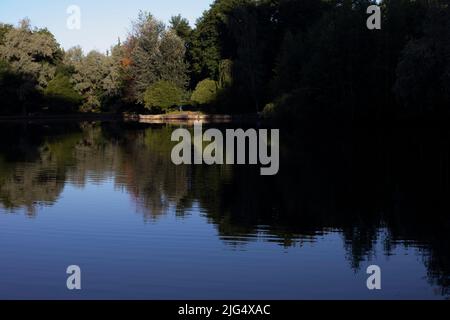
{"x": 387, "y": 185}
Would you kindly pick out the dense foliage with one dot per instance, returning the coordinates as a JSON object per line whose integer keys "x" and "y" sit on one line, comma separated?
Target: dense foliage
{"x": 205, "y": 93}
{"x": 162, "y": 95}
{"x": 61, "y": 95}
{"x": 289, "y": 58}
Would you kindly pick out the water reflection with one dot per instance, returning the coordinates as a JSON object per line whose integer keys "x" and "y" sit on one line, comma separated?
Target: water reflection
{"x": 390, "y": 186}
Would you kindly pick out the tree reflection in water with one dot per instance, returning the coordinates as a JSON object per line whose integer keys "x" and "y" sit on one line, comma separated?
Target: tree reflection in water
{"x": 390, "y": 185}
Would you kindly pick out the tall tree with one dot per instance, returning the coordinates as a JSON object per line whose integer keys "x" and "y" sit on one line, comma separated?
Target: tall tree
{"x": 211, "y": 40}
{"x": 155, "y": 54}
{"x": 248, "y": 66}
{"x": 181, "y": 27}
{"x": 90, "y": 73}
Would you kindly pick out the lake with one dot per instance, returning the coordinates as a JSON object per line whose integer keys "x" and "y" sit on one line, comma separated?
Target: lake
{"x": 105, "y": 196}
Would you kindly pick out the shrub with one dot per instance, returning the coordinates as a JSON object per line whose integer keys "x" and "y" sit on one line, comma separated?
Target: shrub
{"x": 269, "y": 110}
{"x": 205, "y": 92}
{"x": 162, "y": 96}
{"x": 60, "y": 94}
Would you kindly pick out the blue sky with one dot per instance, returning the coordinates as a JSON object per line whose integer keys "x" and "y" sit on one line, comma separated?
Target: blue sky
{"x": 102, "y": 21}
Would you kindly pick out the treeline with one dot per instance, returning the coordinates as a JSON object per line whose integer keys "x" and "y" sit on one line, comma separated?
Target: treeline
{"x": 291, "y": 59}
{"x": 36, "y": 75}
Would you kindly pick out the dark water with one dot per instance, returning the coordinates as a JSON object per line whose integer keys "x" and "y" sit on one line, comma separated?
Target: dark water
{"x": 106, "y": 197}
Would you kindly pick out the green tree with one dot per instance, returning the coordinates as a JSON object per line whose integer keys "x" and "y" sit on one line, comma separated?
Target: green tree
{"x": 90, "y": 72}
{"x": 212, "y": 40}
{"x": 156, "y": 54}
{"x": 73, "y": 56}
{"x": 144, "y": 47}
{"x": 248, "y": 66}
{"x": 31, "y": 56}
{"x": 205, "y": 92}
{"x": 113, "y": 82}
{"x": 4, "y": 29}
{"x": 96, "y": 77}
{"x": 61, "y": 96}
{"x": 225, "y": 74}
{"x": 162, "y": 96}
{"x": 31, "y": 52}
{"x": 181, "y": 27}
{"x": 172, "y": 66}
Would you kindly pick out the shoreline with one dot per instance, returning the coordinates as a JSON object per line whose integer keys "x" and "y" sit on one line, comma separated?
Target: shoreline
{"x": 191, "y": 117}
{"x": 80, "y": 117}
{"x": 183, "y": 117}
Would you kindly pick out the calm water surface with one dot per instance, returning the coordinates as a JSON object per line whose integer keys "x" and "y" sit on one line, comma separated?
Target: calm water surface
{"x": 106, "y": 197}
